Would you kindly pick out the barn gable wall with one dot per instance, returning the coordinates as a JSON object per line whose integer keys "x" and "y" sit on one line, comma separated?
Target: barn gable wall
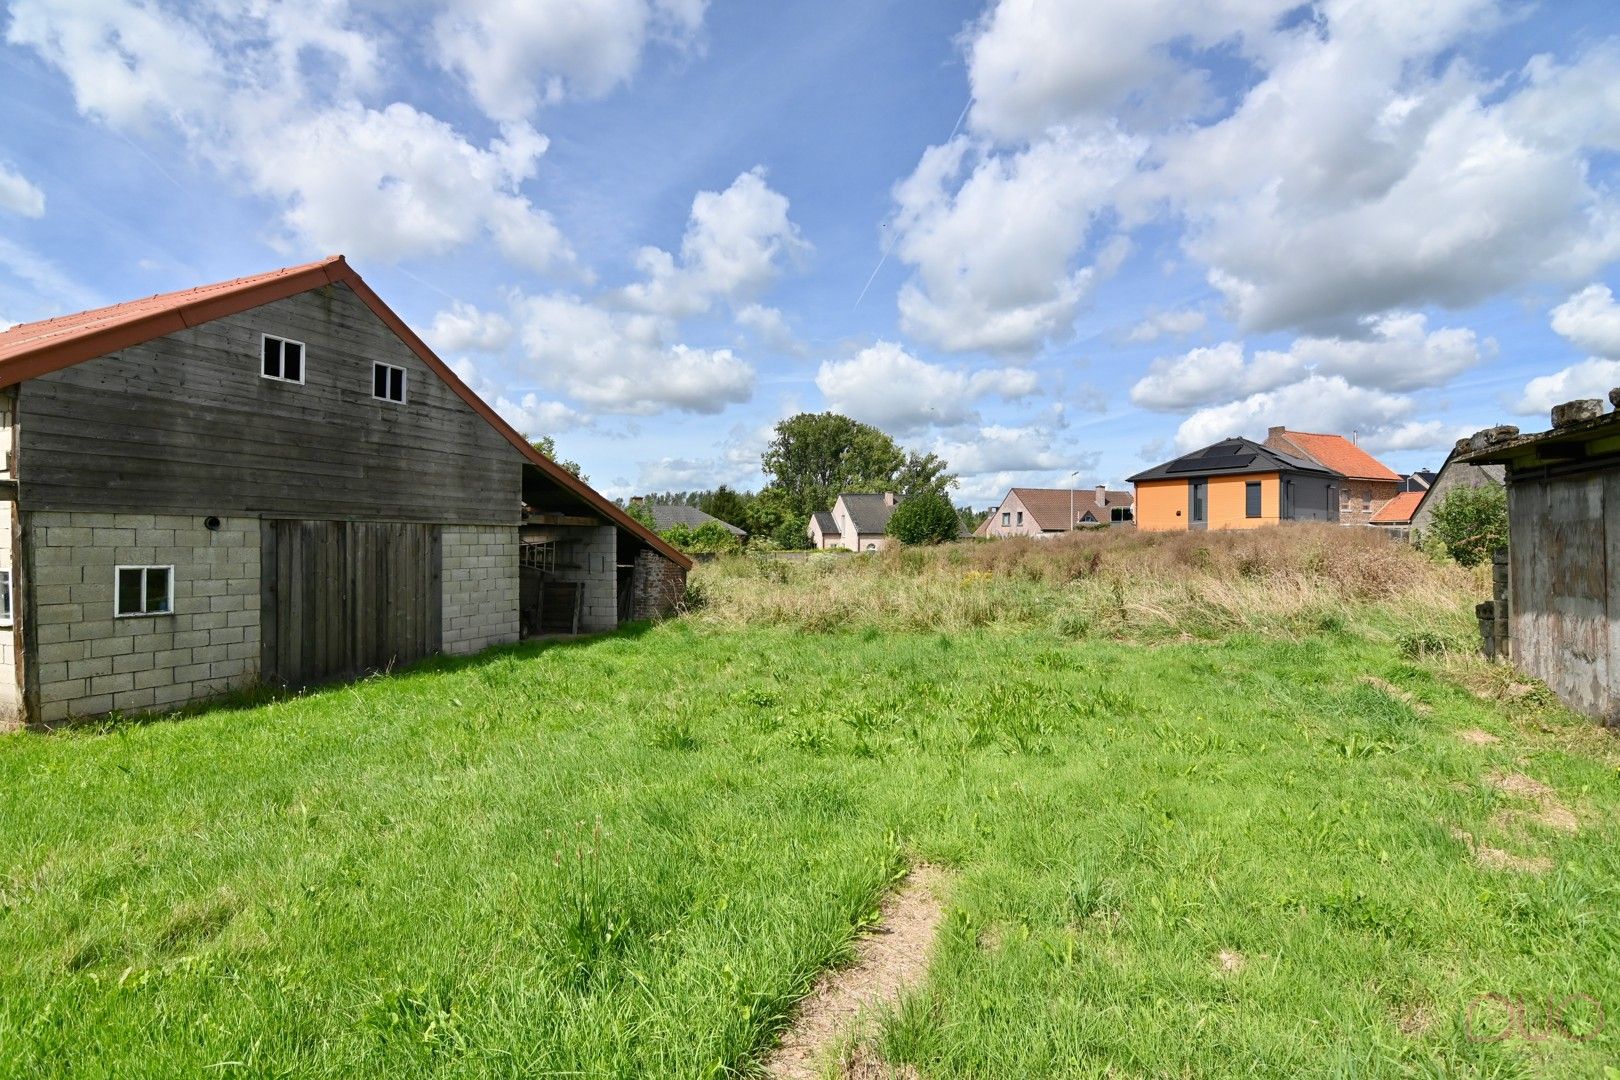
{"x": 186, "y": 424}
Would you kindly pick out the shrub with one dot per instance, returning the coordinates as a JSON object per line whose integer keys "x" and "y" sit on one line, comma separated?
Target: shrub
{"x": 710, "y": 538}
{"x": 925, "y": 518}
{"x": 1470, "y": 523}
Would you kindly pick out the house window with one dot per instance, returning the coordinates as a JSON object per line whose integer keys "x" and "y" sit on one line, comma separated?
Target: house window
{"x": 1251, "y": 498}
{"x": 1006, "y": 520}
{"x": 1366, "y": 498}
{"x": 281, "y": 359}
{"x": 1195, "y": 509}
{"x": 144, "y": 590}
{"x": 388, "y": 383}
{"x": 5, "y": 597}
{"x": 1020, "y": 517}
{"x": 1121, "y": 513}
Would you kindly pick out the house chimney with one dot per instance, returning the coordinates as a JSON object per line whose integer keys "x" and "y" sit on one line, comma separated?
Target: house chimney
{"x": 1274, "y": 432}
{"x": 637, "y": 500}
{"x": 888, "y": 498}
{"x": 1102, "y": 494}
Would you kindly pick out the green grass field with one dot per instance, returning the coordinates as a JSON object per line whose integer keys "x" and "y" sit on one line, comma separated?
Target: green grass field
{"x": 629, "y": 856}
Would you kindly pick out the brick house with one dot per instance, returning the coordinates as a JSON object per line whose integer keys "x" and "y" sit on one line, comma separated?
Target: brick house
{"x": 1050, "y": 512}
{"x": 1366, "y": 484}
{"x": 273, "y": 479}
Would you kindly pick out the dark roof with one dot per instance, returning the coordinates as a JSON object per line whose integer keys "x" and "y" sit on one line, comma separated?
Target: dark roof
{"x": 828, "y": 523}
{"x": 1050, "y": 506}
{"x": 30, "y": 350}
{"x": 668, "y": 515}
{"x": 1230, "y": 457}
{"x": 1421, "y": 480}
{"x": 868, "y": 513}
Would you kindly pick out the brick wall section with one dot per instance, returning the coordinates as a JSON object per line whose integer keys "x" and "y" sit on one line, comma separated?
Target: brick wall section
{"x": 480, "y": 587}
{"x": 89, "y": 662}
{"x": 593, "y": 557}
{"x": 659, "y": 586}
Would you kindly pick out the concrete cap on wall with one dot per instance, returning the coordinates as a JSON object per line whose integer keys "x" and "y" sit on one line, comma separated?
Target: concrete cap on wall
{"x": 1574, "y": 412}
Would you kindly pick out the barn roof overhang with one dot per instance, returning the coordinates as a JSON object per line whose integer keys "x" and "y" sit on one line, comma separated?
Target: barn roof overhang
{"x": 1583, "y": 438}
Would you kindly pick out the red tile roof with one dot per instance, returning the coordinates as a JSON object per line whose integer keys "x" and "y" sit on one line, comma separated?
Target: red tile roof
{"x": 1399, "y": 510}
{"x": 37, "y": 348}
{"x": 1341, "y": 455}
{"x": 30, "y": 350}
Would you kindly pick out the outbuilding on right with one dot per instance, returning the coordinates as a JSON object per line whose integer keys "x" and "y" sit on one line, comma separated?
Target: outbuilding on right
{"x": 1563, "y": 491}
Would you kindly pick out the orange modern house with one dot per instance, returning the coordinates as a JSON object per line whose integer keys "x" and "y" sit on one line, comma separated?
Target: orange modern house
{"x": 1235, "y": 484}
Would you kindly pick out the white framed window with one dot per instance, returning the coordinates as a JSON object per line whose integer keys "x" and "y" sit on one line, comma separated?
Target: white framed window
{"x": 143, "y": 590}
{"x": 388, "y": 383}
{"x": 1006, "y": 520}
{"x": 5, "y": 597}
{"x": 281, "y": 359}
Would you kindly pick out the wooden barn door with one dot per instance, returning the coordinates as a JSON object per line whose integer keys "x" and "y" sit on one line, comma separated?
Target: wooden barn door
{"x": 343, "y": 598}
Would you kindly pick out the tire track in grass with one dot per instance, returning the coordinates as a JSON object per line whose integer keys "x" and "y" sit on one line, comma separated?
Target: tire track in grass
{"x": 890, "y": 959}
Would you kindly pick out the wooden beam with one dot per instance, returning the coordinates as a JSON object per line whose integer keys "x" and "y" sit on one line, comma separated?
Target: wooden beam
{"x": 563, "y": 519}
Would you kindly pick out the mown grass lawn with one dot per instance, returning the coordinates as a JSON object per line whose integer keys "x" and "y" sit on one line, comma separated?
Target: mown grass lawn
{"x": 628, "y": 857}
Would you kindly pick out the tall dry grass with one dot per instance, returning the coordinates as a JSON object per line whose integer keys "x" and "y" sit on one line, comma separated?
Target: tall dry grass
{"x": 1108, "y": 583}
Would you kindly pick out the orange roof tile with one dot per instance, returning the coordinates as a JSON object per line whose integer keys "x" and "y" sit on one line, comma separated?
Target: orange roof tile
{"x": 1341, "y": 455}
{"x": 37, "y": 348}
{"x": 30, "y": 350}
{"x": 1399, "y": 510}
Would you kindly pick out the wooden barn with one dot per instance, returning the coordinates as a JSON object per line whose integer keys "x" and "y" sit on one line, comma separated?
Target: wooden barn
{"x": 1563, "y": 579}
{"x": 274, "y": 479}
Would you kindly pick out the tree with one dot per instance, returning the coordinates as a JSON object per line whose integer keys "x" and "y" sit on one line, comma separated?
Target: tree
{"x": 924, "y": 472}
{"x": 548, "y": 446}
{"x": 641, "y": 510}
{"x": 726, "y": 505}
{"x": 1470, "y": 523}
{"x": 971, "y": 518}
{"x": 815, "y": 456}
{"x": 928, "y": 518}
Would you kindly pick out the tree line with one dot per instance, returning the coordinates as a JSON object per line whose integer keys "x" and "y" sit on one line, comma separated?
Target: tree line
{"x": 812, "y": 459}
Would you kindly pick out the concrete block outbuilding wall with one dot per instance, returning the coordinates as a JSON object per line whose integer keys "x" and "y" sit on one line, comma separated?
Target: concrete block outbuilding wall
{"x": 89, "y": 662}
{"x": 10, "y": 701}
{"x": 480, "y": 587}
{"x": 593, "y": 552}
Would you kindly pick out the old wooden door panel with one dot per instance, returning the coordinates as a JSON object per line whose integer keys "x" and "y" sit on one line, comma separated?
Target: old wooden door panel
{"x": 341, "y": 598}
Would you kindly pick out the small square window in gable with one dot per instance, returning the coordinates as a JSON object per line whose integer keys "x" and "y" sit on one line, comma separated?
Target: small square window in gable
{"x": 388, "y": 383}
{"x": 281, "y": 359}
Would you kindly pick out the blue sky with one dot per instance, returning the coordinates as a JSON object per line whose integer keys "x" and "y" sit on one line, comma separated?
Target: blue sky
{"x": 1101, "y": 233}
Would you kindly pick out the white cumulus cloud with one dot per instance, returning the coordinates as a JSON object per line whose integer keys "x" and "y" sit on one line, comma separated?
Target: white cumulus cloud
{"x": 1317, "y": 403}
{"x": 20, "y": 196}
{"x": 516, "y": 55}
{"x": 886, "y": 386}
{"x": 1590, "y": 320}
{"x": 1591, "y": 378}
{"x": 995, "y": 240}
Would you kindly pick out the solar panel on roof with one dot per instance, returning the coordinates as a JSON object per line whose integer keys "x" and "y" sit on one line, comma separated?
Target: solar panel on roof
{"x": 1231, "y": 461}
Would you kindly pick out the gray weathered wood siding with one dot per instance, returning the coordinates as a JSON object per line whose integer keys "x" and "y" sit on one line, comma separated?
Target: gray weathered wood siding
{"x": 186, "y": 424}
{"x": 1564, "y": 548}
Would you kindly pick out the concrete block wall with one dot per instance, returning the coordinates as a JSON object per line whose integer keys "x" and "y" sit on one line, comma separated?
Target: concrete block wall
{"x": 480, "y": 587}
{"x": 88, "y": 662}
{"x": 593, "y": 555}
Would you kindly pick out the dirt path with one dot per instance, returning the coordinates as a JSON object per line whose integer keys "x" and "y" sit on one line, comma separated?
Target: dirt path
{"x": 890, "y": 959}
